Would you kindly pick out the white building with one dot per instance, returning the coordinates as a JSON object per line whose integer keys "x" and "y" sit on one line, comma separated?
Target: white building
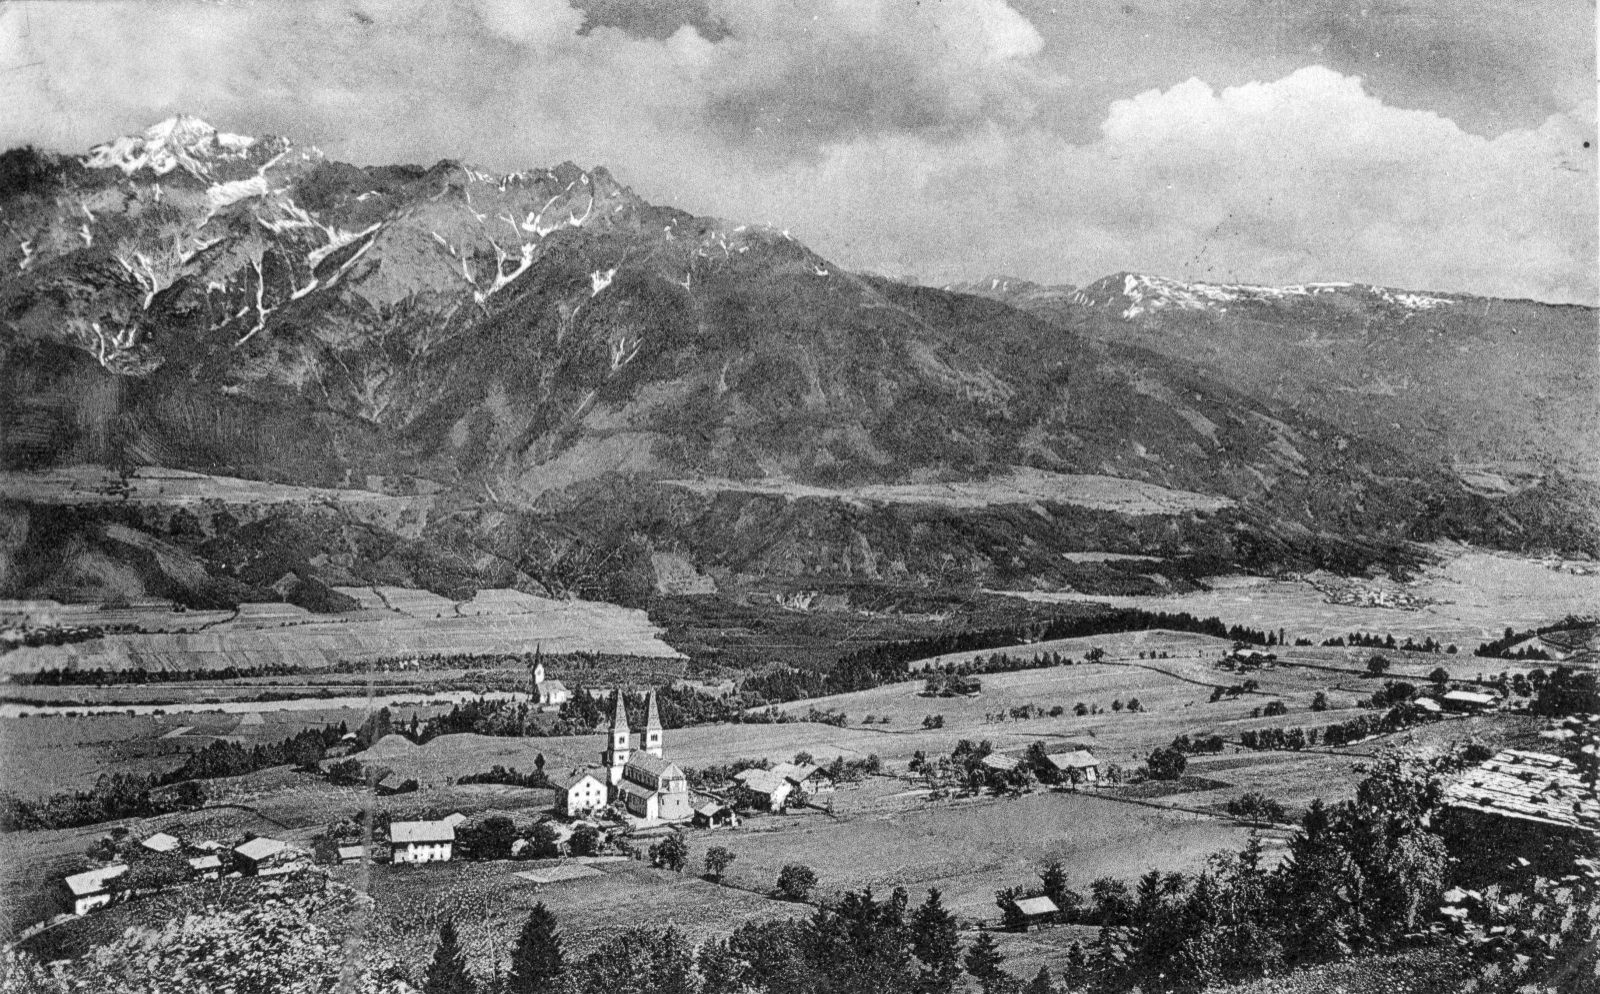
{"x": 421, "y": 841}
{"x": 578, "y": 792}
{"x": 548, "y": 691}
{"x": 92, "y": 888}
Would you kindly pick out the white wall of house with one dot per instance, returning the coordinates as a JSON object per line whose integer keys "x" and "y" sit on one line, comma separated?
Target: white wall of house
{"x": 422, "y": 852}
{"x": 87, "y": 903}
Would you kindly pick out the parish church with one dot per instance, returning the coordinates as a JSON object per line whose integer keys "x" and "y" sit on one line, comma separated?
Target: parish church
{"x": 648, "y": 785}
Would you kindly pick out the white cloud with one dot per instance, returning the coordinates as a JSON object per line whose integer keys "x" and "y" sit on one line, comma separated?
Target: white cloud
{"x": 906, "y": 139}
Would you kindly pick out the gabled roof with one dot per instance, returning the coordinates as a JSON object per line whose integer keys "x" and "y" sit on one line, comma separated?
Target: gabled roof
{"x": 1077, "y": 759}
{"x": 1427, "y": 704}
{"x": 161, "y": 842}
{"x": 1032, "y": 906}
{"x": 212, "y": 862}
{"x": 1000, "y": 761}
{"x": 554, "y": 687}
{"x": 352, "y": 852}
{"x": 93, "y": 881}
{"x": 1528, "y": 786}
{"x": 765, "y": 781}
{"x": 797, "y": 773}
{"x": 1470, "y": 697}
{"x": 711, "y": 809}
{"x": 258, "y": 849}
{"x": 654, "y": 765}
{"x": 571, "y": 778}
{"x": 403, "y": 832}
{"x": 454, "y": 818}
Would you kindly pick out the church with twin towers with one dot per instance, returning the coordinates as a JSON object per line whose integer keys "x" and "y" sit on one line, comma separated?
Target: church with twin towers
{"x": 648, "y": 784}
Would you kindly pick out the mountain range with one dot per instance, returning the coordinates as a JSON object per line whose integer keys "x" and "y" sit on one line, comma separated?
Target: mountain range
{"x": 578, "y": 387}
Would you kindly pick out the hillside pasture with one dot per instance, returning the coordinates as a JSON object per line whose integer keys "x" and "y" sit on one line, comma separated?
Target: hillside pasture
{"x": 489, "y": 904}
{"x": 969, "y": 849}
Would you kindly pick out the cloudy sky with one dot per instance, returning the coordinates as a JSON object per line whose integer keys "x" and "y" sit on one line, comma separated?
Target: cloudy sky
{"x": 1427, "y": 144}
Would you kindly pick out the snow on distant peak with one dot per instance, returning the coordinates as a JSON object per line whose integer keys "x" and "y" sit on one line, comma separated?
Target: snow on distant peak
{"x": 181, "y": 142}
{"x": 1148, "y": 294}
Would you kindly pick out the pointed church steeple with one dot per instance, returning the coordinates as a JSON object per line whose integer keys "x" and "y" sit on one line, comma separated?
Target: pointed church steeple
{"x": 615, "y": 757}
{"x": 651, "y": 742}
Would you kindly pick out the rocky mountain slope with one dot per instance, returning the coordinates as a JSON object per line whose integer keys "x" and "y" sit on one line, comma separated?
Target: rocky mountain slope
{"x": 555, "y": 360}
{"x": 1502, "y": 391}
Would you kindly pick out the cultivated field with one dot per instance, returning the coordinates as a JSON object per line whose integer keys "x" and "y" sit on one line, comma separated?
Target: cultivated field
{"x": 393, "y": 622}
{"x": 1466, "y": 597}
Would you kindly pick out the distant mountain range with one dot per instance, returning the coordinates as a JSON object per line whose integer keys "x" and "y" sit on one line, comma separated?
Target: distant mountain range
{"x": 583, "y": 383}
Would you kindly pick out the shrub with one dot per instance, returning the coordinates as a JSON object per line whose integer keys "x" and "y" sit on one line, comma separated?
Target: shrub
{"x": 796, "y": 881}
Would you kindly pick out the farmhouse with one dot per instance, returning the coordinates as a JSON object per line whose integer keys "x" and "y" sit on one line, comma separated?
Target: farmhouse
{"x": 804, "y": 776}
{"x": 1078, "y": 765}
{"x": 1000, "y": 762}
{"x": 161, "y": 842}
{"x": 264, "y": 857}
{"x": 1530, "y": 807}
{"x": 1469, "y": 701}
{"x": 712, "y": 814}
{"x": 578, "y": 792}
{"x": 1036, "y": 910}
{"x": 421, "y": 841}
{"x": 647, "y": 784}
{"x": 206, "y": 867}
{"x": 766, "y": 788}
{"x": 352, "y": 854}
{"x": 92, "y": 888}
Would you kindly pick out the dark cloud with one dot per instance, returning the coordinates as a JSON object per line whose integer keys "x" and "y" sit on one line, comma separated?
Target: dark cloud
{"x": 659, "y": 20}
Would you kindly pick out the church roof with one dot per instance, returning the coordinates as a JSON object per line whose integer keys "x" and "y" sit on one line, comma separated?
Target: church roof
{"x": 654, "y": 765}
{"x": 652, "y": 718}
{"x": 634, "y": 790}
{"x": 619, "y": 716}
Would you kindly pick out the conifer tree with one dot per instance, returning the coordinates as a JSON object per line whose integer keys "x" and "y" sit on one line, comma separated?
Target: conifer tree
{"x": 1040, "y": 984}
{"x": 447, "y": 974}
{"x": 983, "y": 961}
{"x": 936, "y": 945}
{"x": 538, "y": 963}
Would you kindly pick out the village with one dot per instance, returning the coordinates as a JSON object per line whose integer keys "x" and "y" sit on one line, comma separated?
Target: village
{"x": 774, "y": 827}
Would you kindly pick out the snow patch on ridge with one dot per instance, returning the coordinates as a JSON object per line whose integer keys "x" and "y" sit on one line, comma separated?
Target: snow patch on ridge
{"x": 1149, "y": 294}
{"x": 181, "y": 142}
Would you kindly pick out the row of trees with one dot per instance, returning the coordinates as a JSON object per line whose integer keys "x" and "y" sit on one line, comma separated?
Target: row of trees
{"x": 113, "y": 796}
{"x": 1364, "y": 640}
{"x": 857, "y": 943}
{"x": 886, "y": 662}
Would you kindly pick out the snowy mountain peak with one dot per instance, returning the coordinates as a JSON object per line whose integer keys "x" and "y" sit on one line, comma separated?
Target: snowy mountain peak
{"x": 1142, "y": 294}
{"x": 181, "y": 142}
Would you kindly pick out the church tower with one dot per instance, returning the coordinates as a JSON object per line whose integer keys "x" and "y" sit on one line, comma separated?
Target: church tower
{"x": 616, "y": 755}
{"x": 651, "y": 740}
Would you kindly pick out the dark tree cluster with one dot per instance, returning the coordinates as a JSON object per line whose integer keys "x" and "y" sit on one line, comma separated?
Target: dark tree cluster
{"x": 113, "y": 796}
